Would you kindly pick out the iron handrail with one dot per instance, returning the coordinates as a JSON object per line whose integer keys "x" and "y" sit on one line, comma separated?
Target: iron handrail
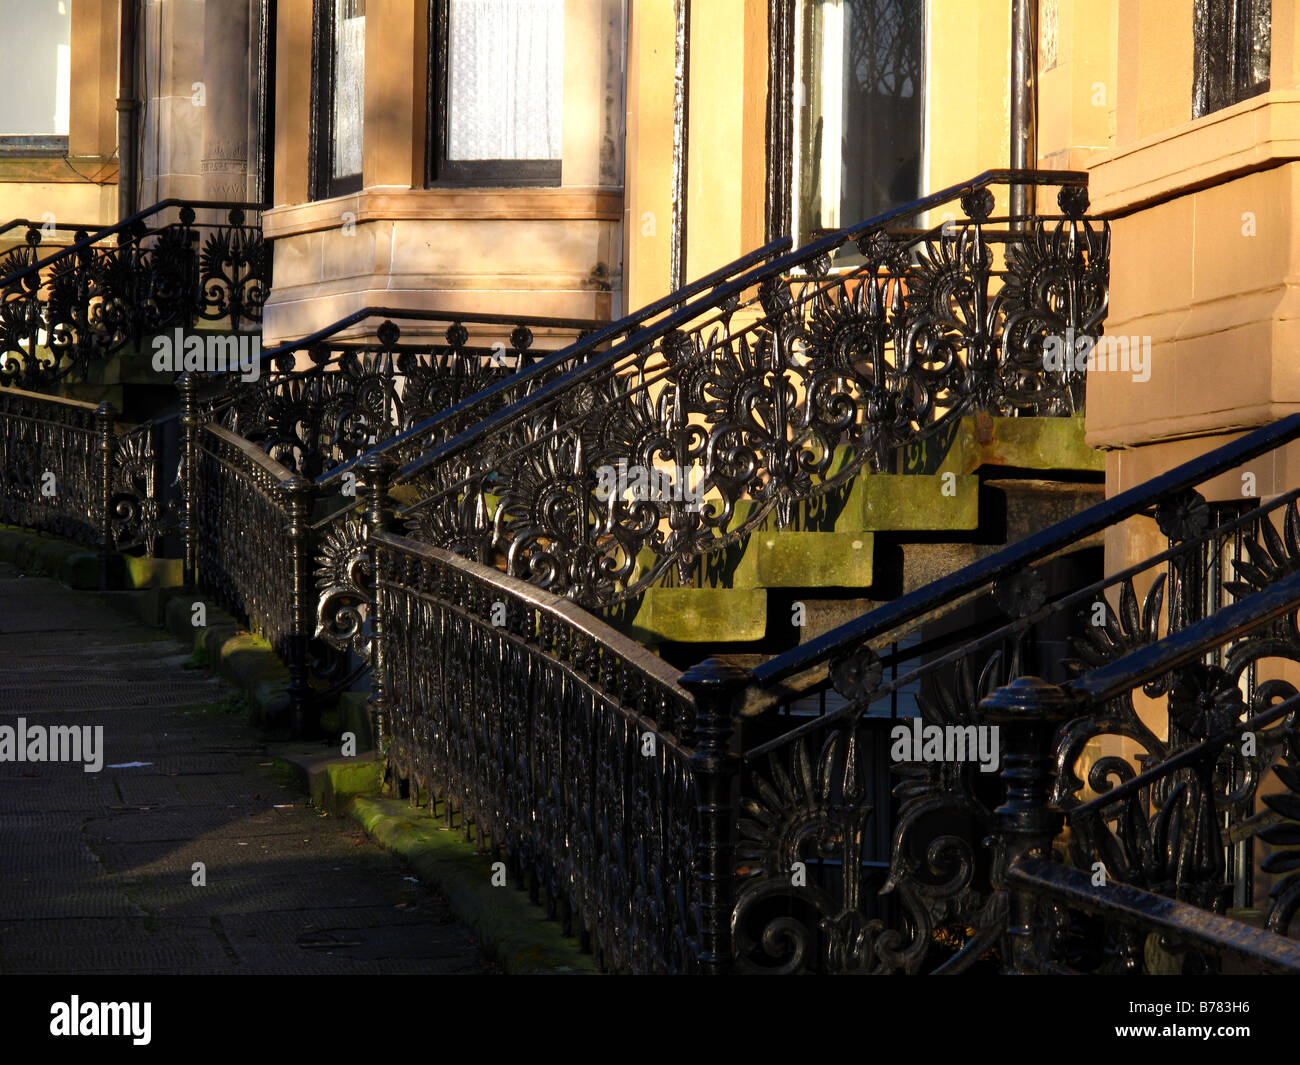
{"x": 775, "y": 268}
{"x": 417, "y": 315}
{"x": 603, "y": 335}
{"x": 118, "y": 227}
{"x": 978, "y": 575}
{"x": 1187, "y": 644}
{"x": 62, "y": 401}
{"x": 281, "y": 473}
{"x": 1127, "y": 904}
{"x": 1188, "y": 756}
{"x": 631, "y": 652}
{"x": 14, "y": 223}
{"x": 388, "y": 313}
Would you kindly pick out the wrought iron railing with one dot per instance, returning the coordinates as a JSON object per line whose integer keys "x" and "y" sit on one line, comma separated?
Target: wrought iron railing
{"x": 68, "y": 468}
{"x": 315, "y": 419}
{"x": 550, "y": 739}
{"x": 1165, "y": 828}
{"x": 468, "y": 660}
{"x": 773, "y": 386}
{"x": 970, "y": 880}
{"x": 160, "y": 269}
{"x": 328, "y": 397}
{"x": 24, "y": 248}
{"x": 1161, "y": 833}
{"x": 833, "y": 703}
{"x": 500, "y": 395}
{"x": 567, "y": 749}
{"x": 314, "y": 403}
{"x": 249, "y": 522}
{"x": 1063, "y": 911}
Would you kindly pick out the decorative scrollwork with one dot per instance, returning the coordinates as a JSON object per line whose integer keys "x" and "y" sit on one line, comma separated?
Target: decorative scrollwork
{"x": 1183, "y": 517}
{"x": 62, "y": 315}
{"x": 1285, "y": 805}
{"x": 761, "y": 416}
{"x": 857, "y": 675}
{"x": 1021, "y": 594}
{"x": 531, "y": 729}
{"x": 346, "y": 587}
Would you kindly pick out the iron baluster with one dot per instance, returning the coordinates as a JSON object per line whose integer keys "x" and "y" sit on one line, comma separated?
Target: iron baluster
{"x": 1030, "y": 711}
{"x": 374, "y": 486}
{"x": 107, "y": 441}
{"x": 714, "y": 683}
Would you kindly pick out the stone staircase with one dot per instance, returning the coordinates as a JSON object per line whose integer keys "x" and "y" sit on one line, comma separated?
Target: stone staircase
{"x": 987, "y": 482}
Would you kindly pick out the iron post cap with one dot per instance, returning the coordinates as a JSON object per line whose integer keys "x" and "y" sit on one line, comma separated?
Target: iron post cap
{"x": 1028, "y": 699}
{"x": 714, "y": 674}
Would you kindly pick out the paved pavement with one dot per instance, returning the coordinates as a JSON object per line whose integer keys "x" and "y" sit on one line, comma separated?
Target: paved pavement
{"x": 97, "y": 869}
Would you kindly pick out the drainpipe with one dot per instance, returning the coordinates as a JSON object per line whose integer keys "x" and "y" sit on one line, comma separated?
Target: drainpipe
{"x": 127, "y": 113}
{"x": 681, "y": 134}
{"x": 1024, "y": 100}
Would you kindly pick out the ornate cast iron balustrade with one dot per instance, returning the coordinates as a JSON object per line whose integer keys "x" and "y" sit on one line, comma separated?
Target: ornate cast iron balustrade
{"x": 26, "y": 241}
{"x": 1163, "y": 830}
{"x": 323, "y": 400}
{"x": 320, "y": 402}
{"x": 528, "y": 719}
{"x": 163, "y": 268}
{"x": 1166, "y": 828}
{"x": 69, "y": 469}
{"x": 1067, "y": 912}
{"x": 570, "y": 752}
{"x": 812, "y": 719}
{"x": 315, "y": 403}
{"x": 531, "y": 374}
{"x": 953, "y": 902}
{"x": 774, "y": 386}
{"x": 250, "y": 546}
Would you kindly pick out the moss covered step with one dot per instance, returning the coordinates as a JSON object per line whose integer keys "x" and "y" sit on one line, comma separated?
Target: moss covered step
{"x": 1026, "y": 444}
{"x": 939, "y": 502}
{"x": 812, "y": 559}
{"x": 738, "y": 612}
{"x": 78, "y": 566}
{"x": 699, "y": 615}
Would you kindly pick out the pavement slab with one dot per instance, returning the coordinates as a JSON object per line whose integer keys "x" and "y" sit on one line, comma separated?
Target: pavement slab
{"x": 97, "y": 869}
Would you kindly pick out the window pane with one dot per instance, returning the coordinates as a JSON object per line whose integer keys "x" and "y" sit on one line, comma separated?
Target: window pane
{"x": 863, "y": 69}
{"x": 1255, "y": 38}
{"x": 1231, "y": 52}
{"x": 505, "y": 79}
{"x": 37, "y": 69}
{"x": 349, "y": 79}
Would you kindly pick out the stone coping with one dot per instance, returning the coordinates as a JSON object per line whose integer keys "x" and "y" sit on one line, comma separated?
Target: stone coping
{"x": 1255, "y": 134}
{"x": 566, "y": 203}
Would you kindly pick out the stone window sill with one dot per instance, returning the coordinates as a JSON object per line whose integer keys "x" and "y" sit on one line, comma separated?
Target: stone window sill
{"x": 597, "y": 203}
{"x": 1256, "y": 134}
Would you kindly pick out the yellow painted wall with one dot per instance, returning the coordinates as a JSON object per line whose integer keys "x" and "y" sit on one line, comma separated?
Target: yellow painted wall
{"x": 649, "y": 150}
{"x": 967, "y": 131}
{"x": 726, "y": 166}
{"x": 1078, "y": 94}
{"x": 968, "y": 89}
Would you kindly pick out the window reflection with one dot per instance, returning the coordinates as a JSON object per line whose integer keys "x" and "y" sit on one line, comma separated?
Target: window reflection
{"x": 349, "y": 80}
{"x": 862, "y": 79}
